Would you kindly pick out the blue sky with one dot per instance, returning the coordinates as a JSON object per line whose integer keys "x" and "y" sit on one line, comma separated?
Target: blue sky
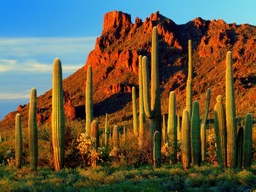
{"x": 34, "y": 32}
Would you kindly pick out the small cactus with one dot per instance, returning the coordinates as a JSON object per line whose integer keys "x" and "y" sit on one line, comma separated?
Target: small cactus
{"x": 203, "y": 141}
{"x": 95, "y": 133}
{"x": 107, "y": 131}
{"x": 247, "y": 147}
{"x": 18, "y": 141}
{"x": 115, "y": 137}
{"x": 134, "y": 112}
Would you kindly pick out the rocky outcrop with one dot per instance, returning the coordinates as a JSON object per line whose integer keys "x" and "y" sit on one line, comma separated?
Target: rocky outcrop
{"x": 114, "y": 61}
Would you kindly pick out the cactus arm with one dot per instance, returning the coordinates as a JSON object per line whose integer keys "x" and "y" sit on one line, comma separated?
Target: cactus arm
{"x": 141, "y": 115}
{"x": 134, "y": 112}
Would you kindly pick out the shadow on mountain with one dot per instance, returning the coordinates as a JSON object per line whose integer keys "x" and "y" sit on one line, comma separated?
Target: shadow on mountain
{"x": 110, "y": 105}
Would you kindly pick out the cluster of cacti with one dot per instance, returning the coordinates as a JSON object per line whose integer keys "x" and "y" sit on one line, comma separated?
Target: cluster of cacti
{"x": 89, "y": 99}
{"x": 234, "y": 147}
{"x": 58, "y": 118}
{"x": 18, "y": 140}
{"x": 32, "y": 128}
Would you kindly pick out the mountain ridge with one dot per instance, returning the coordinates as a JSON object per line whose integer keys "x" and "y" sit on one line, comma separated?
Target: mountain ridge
{"x": 116, "y": 55}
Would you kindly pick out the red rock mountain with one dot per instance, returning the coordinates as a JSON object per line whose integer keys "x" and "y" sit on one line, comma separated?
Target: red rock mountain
{"x": 114, "y": 61}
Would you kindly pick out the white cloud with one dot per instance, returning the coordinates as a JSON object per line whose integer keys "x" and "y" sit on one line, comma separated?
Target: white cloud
{"x": 11, "y": 96}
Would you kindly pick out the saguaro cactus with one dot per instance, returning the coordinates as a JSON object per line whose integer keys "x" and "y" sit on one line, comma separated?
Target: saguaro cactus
{"x": 134, "y": 112}
{"x": 206, "y": 107}
{"x": 203, "y": 141}
{"x": 89, "y": 99}
{"x": 18, "y": 141}
{"x": 247, "y": 151}
{"x": 152, "y": 110}
{"x": 156, "y": 150}
{"x": 185, "y": 140}
{"x": 94, "y": 134}
{"x": 230, "y": 113}
{"x": 107, "y": 131}
{"x": 189, "y": 84}
{"x": 115, "y": 137}
{"x": 32, "y": 130}
{"x": 195, "y": 135}
{"x": 141, "y": 106}
{"x": 220, "y": 131}
{"x": 164, "y": 131}
{"x": 172, "y": 128}
{"x": 58, "y": 117}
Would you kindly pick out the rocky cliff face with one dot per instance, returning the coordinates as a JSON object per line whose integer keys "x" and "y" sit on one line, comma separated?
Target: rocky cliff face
{"x": 114, "y": 61}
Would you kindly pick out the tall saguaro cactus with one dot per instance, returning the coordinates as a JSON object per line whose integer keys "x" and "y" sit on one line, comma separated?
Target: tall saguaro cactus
{"x": 189, "y": 84}
{"x": 152, "y": 107}
{"x": 134, "y": 112}
{"x": 195, "y": 135}
{"x": 172, "y": 128}
{"x": 32, "y": 130}
{"x": 185, "y": 140}
{"x": 89, "y": 99}
{"x": 141, "y": 106}
{"x": 58, "y": 117}
{"x": 220, "y": 131}
{"x": 18, "y": 141}
{"x": 230, "y": 112}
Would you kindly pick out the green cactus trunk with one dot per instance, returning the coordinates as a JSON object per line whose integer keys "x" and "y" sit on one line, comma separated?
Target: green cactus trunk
{"x": 247, "y": 151}
{"x": 32, "y": 128}
{"x": 89, "y": 100}
{"x": 134, "y": 112}
{"x": 195, "y": 135}
{"x": 152, "y": 107}
{"x": 189, "y": 84}
{"x": 18, "y": 141}
{"x": 220, "y": 131}
{"x": 94, "y": 134}
{"x": 206, "y": 107}
{"x": 115, "y": 137}
{"x": 172, "y": 128}
{"x": 107, "y": 131}
{"x": 239, "y": 147}
{"x": 185, "y": 140}
{"x": 141, "y": 105}
{"x": 203, "y": 141}
{"x": 58, "y": 117}
{"x": 230, "y": 113}
{"x": 157, "y": 150}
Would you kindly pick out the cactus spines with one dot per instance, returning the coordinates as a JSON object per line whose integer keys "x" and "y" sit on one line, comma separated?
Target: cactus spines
{"x": 89, "y": 100}
{"x": 152, "y": 107}
{"x": 220, "y": 131}
{"x": 115, "y": 137}
{"x": 94, "y": 134}
{"x": 195, "y": 135}
{"x": 230, "y": 112}
{"x": 185, "y": 140}
{"x": 134, "y": 112}
{"x": 18, "y": 141}
{"x": 141, "y": 105}
{"x": 32, "y": 130}
{"x": 247, "y": 151}
{"x": 156, "y": 149}
{"x": 58, "y": 117}
{"x": 172, "y": 128}
{"x": 189, "y": 84}
{"x": 107, "y": 131}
